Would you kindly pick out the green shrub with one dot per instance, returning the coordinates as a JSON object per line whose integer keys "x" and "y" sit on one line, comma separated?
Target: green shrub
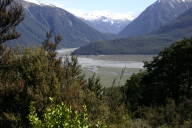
{"x": 61, "y": 116}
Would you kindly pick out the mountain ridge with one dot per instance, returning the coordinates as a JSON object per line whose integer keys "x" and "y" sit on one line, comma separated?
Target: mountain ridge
{"x": 41, "y": 18}
{"x": 155, "y": 16}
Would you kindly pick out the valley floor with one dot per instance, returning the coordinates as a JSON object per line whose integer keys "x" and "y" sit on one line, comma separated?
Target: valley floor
{"x": 113, "y": 68}
{"x": 110, "y": 68}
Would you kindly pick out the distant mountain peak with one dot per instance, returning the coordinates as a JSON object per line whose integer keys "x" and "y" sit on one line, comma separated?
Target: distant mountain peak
{"x": 105, "y": 21}
{"x": 94, "y": 15}
{"x": 107, "y": 25}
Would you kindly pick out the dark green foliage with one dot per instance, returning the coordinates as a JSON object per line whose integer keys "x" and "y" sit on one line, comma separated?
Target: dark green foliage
{"x": 134, "y": 90}
{"x": 30, "y": 75}
{"x": 162, "y": 93}
{"x": 94, "y": 85}
{"x": 171, "y": 115}
{"x": 34, "y": 78}
{"x": 11, "y": 14}
{"x": 169, "y": 75}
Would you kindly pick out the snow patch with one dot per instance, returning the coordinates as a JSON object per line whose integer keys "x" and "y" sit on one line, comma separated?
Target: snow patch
{"x": 94, "y": 15}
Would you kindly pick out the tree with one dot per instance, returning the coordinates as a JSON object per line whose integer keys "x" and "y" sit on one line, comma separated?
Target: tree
{"x": 133, "y": 91}
{"x": 49, "y": 45}
{"x": 169, "y": 75}
{"x": 11, "y": 14}
{"x": 94, "y": 85}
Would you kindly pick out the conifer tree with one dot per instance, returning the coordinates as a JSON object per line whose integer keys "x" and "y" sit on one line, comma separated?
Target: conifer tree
{"x": 11, "y": 14}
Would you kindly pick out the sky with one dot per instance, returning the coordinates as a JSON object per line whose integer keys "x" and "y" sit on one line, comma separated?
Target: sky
{"x": 129, "y": 7}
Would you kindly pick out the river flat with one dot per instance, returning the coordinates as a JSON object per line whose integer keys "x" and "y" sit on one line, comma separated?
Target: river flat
{"x": 111, "y": 69}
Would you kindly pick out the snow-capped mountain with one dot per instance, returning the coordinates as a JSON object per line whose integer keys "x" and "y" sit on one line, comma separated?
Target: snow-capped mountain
{"x": 155, "y": 16}
{"x": 107, "y": 25}
{"x": 105, "y": 21}
{"x": 93, "y": 15}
